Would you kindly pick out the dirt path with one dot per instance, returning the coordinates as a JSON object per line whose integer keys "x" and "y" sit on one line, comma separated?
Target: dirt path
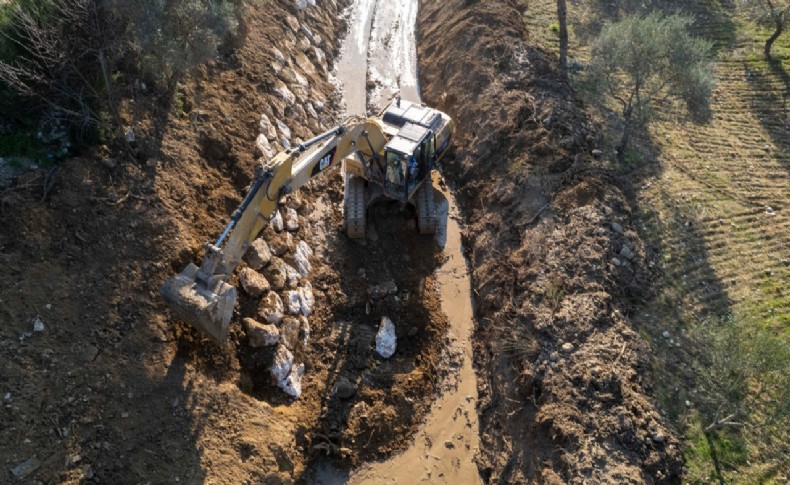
{"x": 444, "y": 448}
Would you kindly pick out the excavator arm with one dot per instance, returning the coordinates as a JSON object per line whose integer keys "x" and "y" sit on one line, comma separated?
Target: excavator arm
{"x": 202, "y": 296}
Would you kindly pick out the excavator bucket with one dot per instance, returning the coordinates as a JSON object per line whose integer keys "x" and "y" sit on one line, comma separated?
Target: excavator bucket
{"x": 207, "y": 309}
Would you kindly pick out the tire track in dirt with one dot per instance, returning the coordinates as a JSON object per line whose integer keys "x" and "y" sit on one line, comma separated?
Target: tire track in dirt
{"x": 444, "y": 448}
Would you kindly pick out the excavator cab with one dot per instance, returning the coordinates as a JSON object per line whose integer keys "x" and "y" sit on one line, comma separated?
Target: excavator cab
{"x": 409, "y": 158}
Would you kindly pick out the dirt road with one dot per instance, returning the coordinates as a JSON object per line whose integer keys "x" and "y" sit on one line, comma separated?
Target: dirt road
{"x": 444, "y": 448}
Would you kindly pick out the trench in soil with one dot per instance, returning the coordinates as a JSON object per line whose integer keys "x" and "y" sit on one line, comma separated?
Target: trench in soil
{"x": 444, "y": 447}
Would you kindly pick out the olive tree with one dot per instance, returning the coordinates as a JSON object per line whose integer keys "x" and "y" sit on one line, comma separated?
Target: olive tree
{"x": 63, "y": 55}
{"x": 169, "y": 37}
{"x": 639, "y": 60}
{"x": 774, "y": 14}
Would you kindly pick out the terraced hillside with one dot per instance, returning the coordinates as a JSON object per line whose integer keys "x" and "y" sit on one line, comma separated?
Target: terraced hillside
{"x": 714, "y": 199}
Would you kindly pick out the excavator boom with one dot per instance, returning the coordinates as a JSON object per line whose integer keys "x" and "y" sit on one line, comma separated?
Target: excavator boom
{"x": 394, "y": 152}
{"x": 202, "y": 296}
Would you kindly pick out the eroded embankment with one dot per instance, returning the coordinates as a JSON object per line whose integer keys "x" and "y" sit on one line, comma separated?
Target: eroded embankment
{"x": 556, "y": 267}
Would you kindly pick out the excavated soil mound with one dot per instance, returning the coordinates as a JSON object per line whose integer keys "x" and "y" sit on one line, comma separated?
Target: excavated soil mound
{"x": 101, "y": 384}
{"x": 556, "y": 267}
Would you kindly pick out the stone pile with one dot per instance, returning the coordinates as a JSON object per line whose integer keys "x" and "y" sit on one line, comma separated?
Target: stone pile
{"x": 278, "y": 265}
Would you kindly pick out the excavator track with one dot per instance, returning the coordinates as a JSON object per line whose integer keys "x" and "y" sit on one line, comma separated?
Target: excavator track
{"x": 427, "y": 217}
{"x": 354, "y": 205}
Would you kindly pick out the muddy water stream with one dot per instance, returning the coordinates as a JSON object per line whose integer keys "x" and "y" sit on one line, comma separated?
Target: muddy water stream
{"x": 381, "y": 43}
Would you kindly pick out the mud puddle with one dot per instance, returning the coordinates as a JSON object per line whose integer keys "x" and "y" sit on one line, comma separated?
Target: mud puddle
{"x": 444, "y": 448}
{"x": 379, "y": 57}
{"x": 446, "y": 444}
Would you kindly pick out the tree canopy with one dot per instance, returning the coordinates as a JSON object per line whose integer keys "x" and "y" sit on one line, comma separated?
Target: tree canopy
{"x": 641, "y": 59}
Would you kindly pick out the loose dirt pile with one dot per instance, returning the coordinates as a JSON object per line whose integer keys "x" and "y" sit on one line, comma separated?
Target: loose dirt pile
{"x": 556, "y": 268}
{"x": 115, "y": 391}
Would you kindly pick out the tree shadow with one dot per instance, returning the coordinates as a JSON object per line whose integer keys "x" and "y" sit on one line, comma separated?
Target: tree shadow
{"x": 769, "y": 90}
{"x": 712, "y": 20}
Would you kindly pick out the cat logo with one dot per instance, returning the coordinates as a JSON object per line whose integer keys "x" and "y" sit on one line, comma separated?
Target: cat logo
{"x": 325, "y": 162}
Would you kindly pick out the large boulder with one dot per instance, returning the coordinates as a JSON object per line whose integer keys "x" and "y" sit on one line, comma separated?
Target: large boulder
{"x": 386, "y": 340}
{"x": 292, "y": 277}
{"x": 277, "y": 274}
{"x": 306, "y": 299}
{"x": 281, "y": 243}
{"x": 292, "y": 384}
{"x": 253, "y": 283}
{"x": 293, "y": 302}
{"x": 267, "y": 128}
{"x": 260, "y": 335}
{"x": 258, "y": 254}
{"x": 283, "y": 362}
{"x": 302, "y": 257}
{"x": 289, "y": 331}
{"x": 271, "y": 308}
{"x": 277, "y": 222}
{"x": 291, "y": 220}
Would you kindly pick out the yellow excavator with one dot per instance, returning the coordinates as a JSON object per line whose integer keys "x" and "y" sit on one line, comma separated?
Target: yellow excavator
{"x": 390, "y": 156}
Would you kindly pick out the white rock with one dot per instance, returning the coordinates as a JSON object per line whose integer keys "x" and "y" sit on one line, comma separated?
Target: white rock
{"x": 308, "y": 33}
{"x": 304, "y": 248}
{"x": 665, "y": 334}
{"x": 254, "y": 283}
{"x": 271, "y": 308}
{"x": 302, "y": 257}
{"x": 302, "y": 4}
{"x": 306, "y": 298}
{"x": 263, "y": 148}
{"x": 291, "y": 220}
{"x": 293, "y": 302}
{"x": 278, "y": 55}
{"x": 305, "y": 330}
{"x": 386, "y": 340}
{"x": 303, "y": 264}
{"x": 300, "y": 80}
{"x": 283, "y": 92}
{"x": 283, "y": 362}
{"x": 311, "y": 111}
{"x": 267, "y": 128}
{"x": 292, "y": 385}
{"x": 285, "y": 143}
{"x": 38, "y": 324}
{"x": 259, "y": 254}
{"x": 319, "y": 54}
{"x": 277, "y": 222}
{"x": 292, "y": 277}
{"x": 284, "y": 130}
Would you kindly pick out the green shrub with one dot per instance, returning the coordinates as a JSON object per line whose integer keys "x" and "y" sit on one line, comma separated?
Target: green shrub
{"x": 63, "y": 57}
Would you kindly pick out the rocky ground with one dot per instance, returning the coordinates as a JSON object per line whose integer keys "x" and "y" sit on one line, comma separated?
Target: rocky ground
{"x": 102, "y": 385}
{"x": 556, "y": 266}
